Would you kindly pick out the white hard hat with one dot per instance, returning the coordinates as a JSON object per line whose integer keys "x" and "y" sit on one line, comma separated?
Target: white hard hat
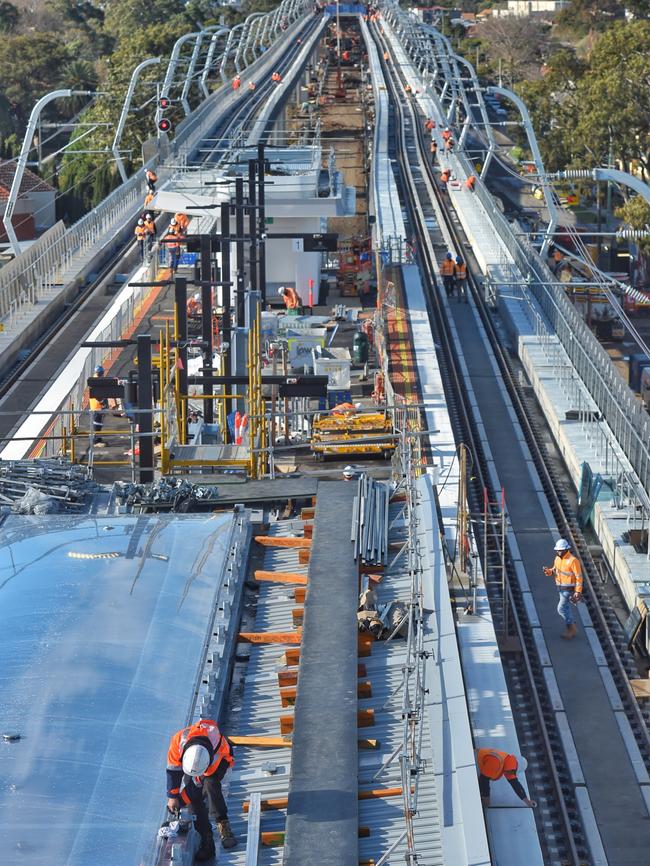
{"x": 140, "y": 222}
{"x": 281, "y": 290}
{"x": 562, "y": 544}
{"x": 173, "y": 222}
{"x": 358, "y": 405}
{"x": 197, "y": 296}
{"x": 349, "y": 472}
{"x": 196, "y": 760}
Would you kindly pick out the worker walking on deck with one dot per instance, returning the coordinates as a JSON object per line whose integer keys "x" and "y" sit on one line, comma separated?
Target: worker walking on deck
{"x": 198, "y": 758}
{"x": 494, "y": 765}
{"x": 447, "y": 273}
{"x": 141, "y": 238}
{"x": 433, "y": 147}
{"x": 444, "y": 179}
{"x": 460, "y": 278}
{"x": 568, "y": 579}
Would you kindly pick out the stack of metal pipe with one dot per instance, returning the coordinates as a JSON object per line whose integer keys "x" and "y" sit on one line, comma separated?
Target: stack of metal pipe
{"x": 370, "y": 521}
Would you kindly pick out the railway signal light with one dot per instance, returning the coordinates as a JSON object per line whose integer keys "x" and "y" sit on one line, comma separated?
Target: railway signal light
{"x": 164, "y": 102}
{"x": 165, "y": 125}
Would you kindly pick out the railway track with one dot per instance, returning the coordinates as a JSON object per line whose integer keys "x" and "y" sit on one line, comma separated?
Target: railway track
{"x": 22, "y": 385}
{"x": 558, "y": 818}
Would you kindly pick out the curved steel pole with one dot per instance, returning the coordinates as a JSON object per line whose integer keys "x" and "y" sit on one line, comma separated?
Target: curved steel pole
{"x": 21, "y": 162}
{"x": 203, "y": 83}
{"x": 539, "y": 163}
{"x": 135, "y": 75}
{"x": 612, "y": 174}
{"x": 484, "y": 115}
{"x": 171, "y": 68}
{"x": 243, "y": 42}
{"x": 227, "y": 51}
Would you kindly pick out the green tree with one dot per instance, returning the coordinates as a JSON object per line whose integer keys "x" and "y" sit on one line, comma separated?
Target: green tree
{"x": 636, "y": 214}
{"x": 550, "y": 104}
{"x": 30, "y": 65}
{"x": 584, "y": 15}
{"x": 611, "y": 105}
{"x": 9, "y": 17}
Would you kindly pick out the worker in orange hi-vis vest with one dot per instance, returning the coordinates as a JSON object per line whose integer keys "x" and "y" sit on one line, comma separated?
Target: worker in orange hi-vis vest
{"x": 493, "y": 765}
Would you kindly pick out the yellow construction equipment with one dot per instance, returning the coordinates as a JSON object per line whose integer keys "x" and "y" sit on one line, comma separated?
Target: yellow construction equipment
{"x": 352, "y": 433}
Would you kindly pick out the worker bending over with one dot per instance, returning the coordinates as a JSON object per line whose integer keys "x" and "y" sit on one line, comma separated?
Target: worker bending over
{"x": 290, "y": 296}
{"x": 194, "y": 305}
{"x": 197, "y": 760}
{"x": 568, "y": 578}
{"x": 494, "y": 765}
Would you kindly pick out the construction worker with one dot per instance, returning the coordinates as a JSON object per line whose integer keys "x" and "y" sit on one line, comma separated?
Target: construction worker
{"x": 150, "y": 227}
{"x": 408, "y": 88}
{"x": 494, "y": 765}
{"x": 148, "y": 199}
{"x": 290, "y": 297}
{"x": 429, "y": 125}
{"x": 141, "y": 238}
{"x": 433, "y": 147}
{"x": 151, "y": 178}
{"x": 276, "y": 77}
{"x": 173, "y": 244}
{"x": 470, "y": 183}
{"x": 236, "y": 82}
{"x": 447, "y": 274}
{"x": 97, "y": 407}
{"x": 251, "y": 86}
{"x": 446, "y": 134}
{"x": 346, "y": 408}
{"x": 444, "y": 179}
{"x": 568, "y": 579}
{"x": 176, "y": 228}
{"x": 460, "y": 278}
{"x": 197, "y": 760}
{"x": 449, "y": 145}
{"x": 386, "y": 55}
{"x": 182, "y": 220}
{"x": 194, "y": 305}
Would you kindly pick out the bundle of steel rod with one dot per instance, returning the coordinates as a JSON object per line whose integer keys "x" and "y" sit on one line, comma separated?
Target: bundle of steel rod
{"x": 370, "y": 521}
{"x": 57, "y": 479}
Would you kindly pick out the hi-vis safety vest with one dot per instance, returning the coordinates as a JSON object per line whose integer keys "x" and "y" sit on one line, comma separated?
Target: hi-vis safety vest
{"x": 494, "y": 764}
{"x": 568, "y": 572}
{"x": 209, "y": 735}
{"x": 461, "y": 271}
{"x": 447, "y": 268}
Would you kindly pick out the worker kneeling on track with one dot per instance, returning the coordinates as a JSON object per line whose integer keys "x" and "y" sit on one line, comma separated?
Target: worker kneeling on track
{"x": 494, "y": 765}
{"x": 197, "y": 760}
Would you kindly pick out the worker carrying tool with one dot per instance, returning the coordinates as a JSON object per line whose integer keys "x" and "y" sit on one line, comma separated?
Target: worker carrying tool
{"x": 447, "y": 274}
{"x": 290, "y": 296}
{"x": 198, "y": 758}
{"x": 494, "y": 765}
{"x": 151, "y": 178}
{"x": 236, "y": 82}
{"x": 568, "y": 579}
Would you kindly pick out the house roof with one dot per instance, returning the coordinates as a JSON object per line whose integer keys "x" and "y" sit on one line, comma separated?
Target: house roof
{"x": 30, "y": 183}
{"x": 485, "y": 13}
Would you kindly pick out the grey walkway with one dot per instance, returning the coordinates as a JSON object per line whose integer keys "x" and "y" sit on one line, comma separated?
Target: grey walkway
{"x": 616, "y": 796}
{"x": 322, "y": 814}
